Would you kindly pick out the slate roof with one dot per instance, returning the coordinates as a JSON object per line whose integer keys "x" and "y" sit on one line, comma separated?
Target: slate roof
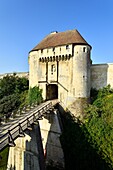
{"x": 61, "y": 38}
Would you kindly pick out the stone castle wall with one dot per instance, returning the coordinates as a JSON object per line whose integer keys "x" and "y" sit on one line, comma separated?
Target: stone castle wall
{"x": 67, "y": 67}
{"x": 101, "y": 75}
{"x": 19, "y": 74}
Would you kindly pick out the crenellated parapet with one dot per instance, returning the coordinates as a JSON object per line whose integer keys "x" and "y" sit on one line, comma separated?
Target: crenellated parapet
{"x": 55, "y": 58}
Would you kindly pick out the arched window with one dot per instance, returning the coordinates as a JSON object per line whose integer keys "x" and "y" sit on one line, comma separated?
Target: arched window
{"x": 84, "y": 49}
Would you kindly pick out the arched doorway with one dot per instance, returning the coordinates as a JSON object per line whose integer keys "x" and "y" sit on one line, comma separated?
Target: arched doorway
{"x": 51, "y": 91}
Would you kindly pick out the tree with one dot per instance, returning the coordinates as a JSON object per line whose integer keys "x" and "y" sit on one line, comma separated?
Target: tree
{"x": 11, "y": 84}
{"x": 12, "y": 88}
{"x": 9, "y": 103}
{"x": 35, "y": 95}
{"x": 99, "y": 124}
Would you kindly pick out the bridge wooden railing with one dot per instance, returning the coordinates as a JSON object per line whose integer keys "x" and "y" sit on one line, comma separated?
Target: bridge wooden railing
{"x": 17, "y": 127}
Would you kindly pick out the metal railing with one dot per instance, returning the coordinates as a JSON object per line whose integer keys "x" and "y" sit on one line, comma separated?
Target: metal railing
{"x": 17, "y": 127}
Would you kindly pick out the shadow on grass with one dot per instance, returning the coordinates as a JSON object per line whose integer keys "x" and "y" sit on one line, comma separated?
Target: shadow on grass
{"x": 78, "y": 152}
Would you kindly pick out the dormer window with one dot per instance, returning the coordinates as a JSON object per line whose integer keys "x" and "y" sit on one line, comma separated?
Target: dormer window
{"x": 67, "y": 47}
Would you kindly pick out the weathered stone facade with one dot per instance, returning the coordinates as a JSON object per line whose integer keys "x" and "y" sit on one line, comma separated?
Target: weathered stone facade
{"x": 101, "y": 75}
{"x": 60, "y": 64}
{"x": 61, "y": 70}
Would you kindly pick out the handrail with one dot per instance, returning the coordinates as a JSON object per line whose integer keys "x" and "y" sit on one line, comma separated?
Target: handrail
{"x": 18, "y": 127}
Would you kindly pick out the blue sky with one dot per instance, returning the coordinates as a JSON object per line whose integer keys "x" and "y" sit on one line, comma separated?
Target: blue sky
{"x": 24, "y": 23}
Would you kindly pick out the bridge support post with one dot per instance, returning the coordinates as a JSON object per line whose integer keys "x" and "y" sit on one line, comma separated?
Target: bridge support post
{"x": 50, "y": 132}
{"x": 28, "y": 152}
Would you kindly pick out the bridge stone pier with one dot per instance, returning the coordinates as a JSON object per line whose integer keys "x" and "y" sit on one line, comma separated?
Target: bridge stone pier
{"x": 50, "y": 132}
{"x": 36, "y": 145}
{"x": 27, "y": 153}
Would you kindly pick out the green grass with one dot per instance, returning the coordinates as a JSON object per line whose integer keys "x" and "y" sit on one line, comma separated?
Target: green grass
{"x": 4, "y": 156}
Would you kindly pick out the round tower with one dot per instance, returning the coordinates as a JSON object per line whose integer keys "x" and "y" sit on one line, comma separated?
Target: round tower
{"x": 33, "y": 68}
{"x": 81, "y": 78}
{"x": 81, "y": 71}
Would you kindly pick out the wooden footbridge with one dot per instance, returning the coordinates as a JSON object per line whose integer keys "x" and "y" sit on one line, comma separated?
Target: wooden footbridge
{"x": 15, "y": 127}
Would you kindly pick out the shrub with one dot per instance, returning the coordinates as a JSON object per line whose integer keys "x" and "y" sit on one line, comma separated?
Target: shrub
{"x": 99, "y": 124}
{"x": 35, "y": 95}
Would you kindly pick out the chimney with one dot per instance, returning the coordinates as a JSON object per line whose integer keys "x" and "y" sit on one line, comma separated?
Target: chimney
{"x": 54, "y": 32}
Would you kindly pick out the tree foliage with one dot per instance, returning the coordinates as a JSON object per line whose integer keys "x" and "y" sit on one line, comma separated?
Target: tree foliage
{"x": 35, "y": 95}
{"x": 78, "y": 150}
{"x": 9, "y": 103}
{"x": 15, "y": 93}
{"x": 12, "y": 88}
{"x": 89, "y": 144}
{"x": 11, "y": 84}
{"x": 99, "y": 123}
{"x": 32, "y": 96}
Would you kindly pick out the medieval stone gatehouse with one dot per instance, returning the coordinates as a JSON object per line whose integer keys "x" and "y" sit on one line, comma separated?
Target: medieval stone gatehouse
{"x": 60, "y": 64}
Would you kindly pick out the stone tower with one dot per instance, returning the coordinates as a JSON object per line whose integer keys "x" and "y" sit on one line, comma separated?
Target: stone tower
{"x": 60, "y": 65}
